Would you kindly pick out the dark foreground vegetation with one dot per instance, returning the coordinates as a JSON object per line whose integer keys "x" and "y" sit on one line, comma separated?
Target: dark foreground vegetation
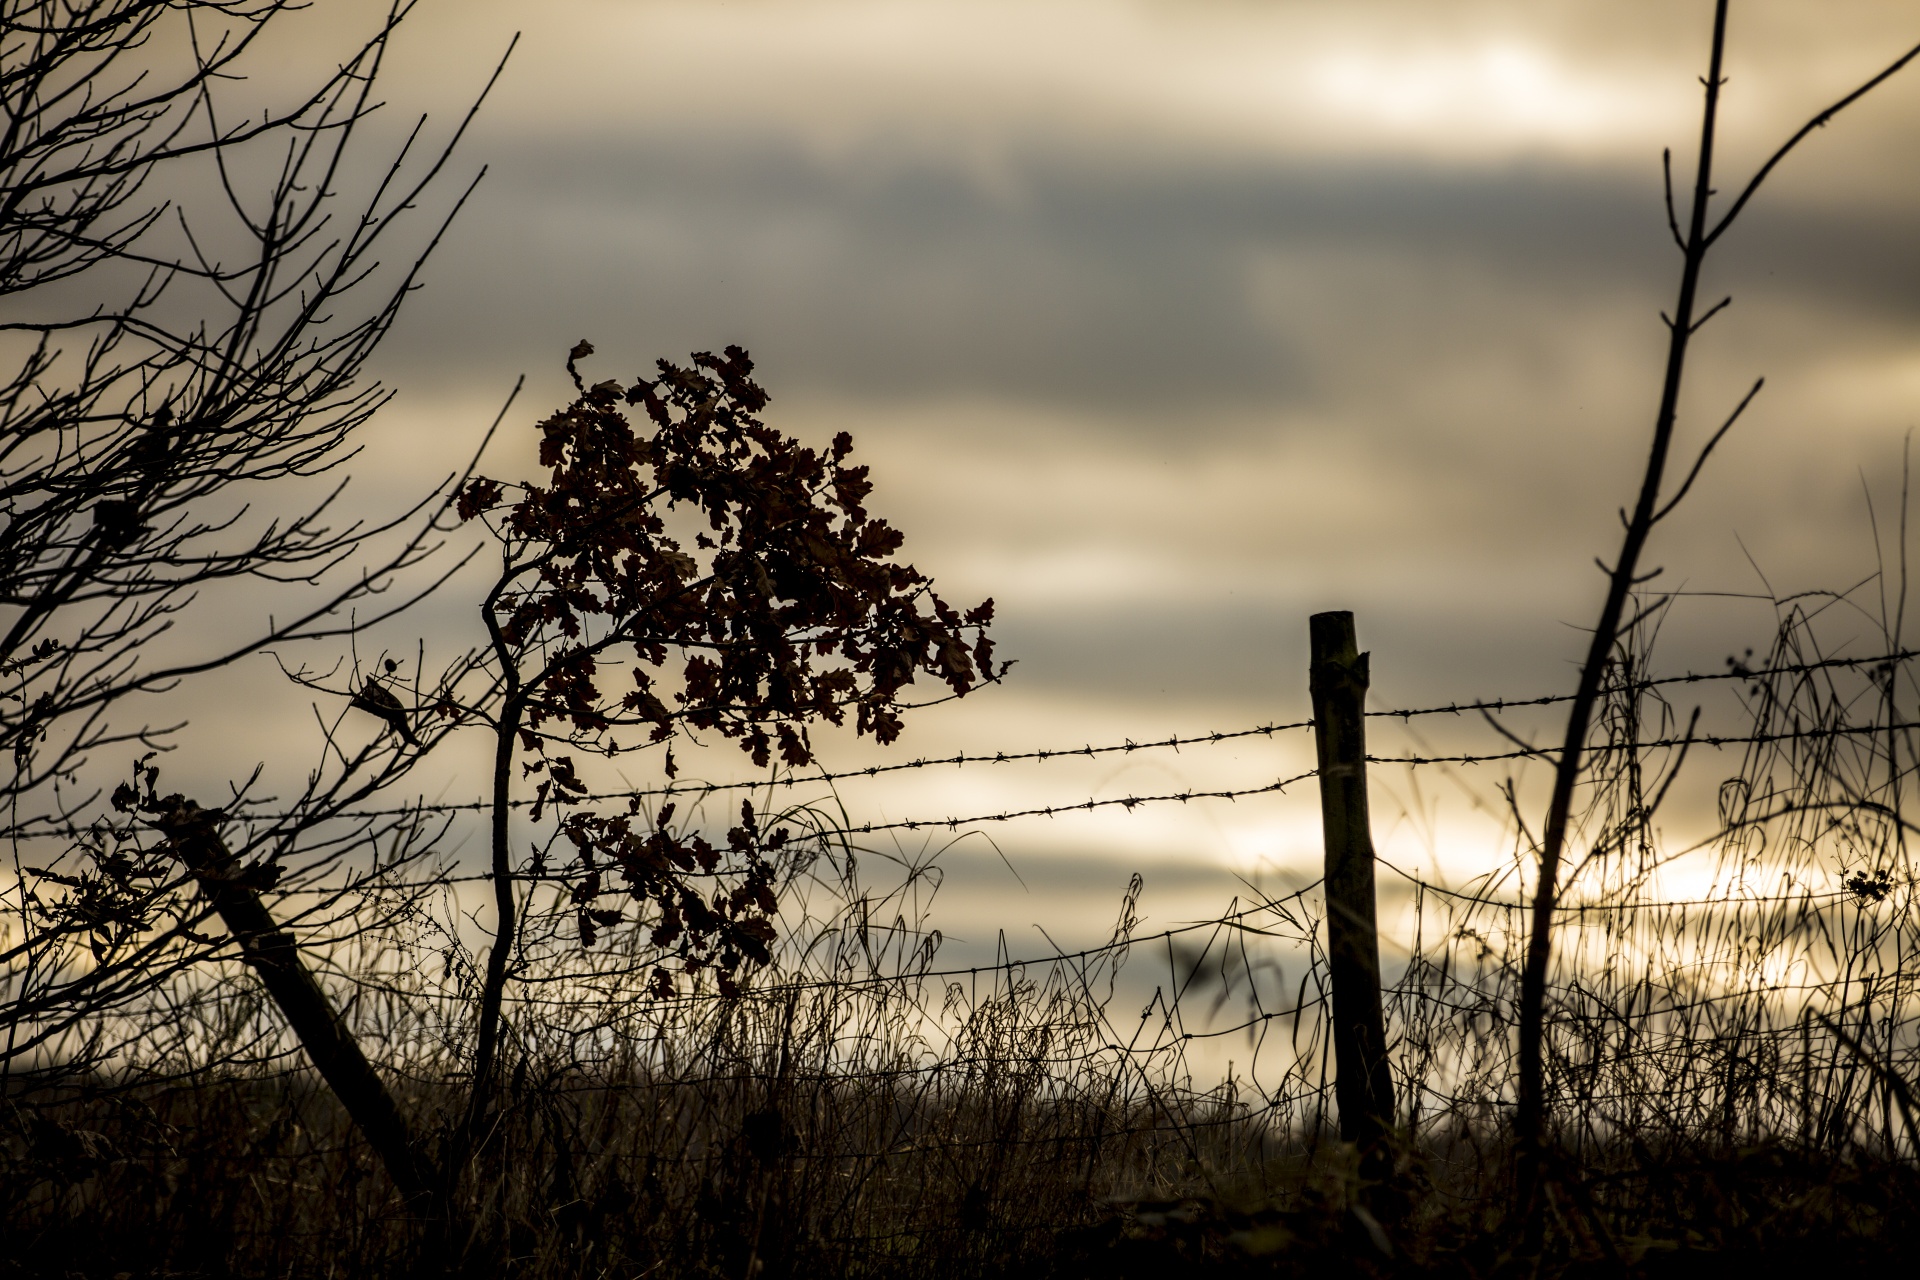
{"x": 689, "y": 1029}
{"x": 1728, "y": 1076}
{"x": 1014, "y": 1121}
{"x": 231, "y": 1178}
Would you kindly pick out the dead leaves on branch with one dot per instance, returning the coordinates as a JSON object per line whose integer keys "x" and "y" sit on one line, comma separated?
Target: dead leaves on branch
{"x": 725, "y": 577}
{"x": 729, "y": 927}
{"x": 786, "y": 608}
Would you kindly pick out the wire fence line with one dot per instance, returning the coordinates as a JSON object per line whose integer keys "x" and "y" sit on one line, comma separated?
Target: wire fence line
{"x": 1666, "y": 1010}
{"x": 700, "y": 790}
{"x": 1129, "y": 746}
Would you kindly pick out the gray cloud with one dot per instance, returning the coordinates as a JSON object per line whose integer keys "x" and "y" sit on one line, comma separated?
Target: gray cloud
{"x": 1120, "y": 289}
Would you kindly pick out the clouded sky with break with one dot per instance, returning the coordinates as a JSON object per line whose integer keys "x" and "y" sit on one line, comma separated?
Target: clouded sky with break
{"x": 1167, "y": 323}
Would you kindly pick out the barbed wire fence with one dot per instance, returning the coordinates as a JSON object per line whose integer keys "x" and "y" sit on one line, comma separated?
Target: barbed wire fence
{"x": 1774, "y": 999}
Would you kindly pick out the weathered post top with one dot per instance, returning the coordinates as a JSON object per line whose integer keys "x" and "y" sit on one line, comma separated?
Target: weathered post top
{"x": 1334, "y": 644}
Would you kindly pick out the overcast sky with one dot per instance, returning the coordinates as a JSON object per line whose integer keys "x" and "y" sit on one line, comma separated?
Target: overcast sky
{"x": 1167, "y": 324}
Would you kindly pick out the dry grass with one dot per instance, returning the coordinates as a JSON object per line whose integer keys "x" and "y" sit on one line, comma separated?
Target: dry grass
{"x": 1731, "y": 1076}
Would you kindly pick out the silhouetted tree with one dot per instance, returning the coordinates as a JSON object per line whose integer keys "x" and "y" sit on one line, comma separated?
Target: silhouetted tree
{"x": 175, "y": 376}
{"x": 691, "y": 570}
{"x": 1656, "y": 500}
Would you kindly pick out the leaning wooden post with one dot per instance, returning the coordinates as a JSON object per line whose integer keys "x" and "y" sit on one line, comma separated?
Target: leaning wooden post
{"x": 1363, "y": 1082}
{"x": 195, "y": 835}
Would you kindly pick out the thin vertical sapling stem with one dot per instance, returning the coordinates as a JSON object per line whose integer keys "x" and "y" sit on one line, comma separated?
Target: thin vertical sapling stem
{"x": 1624, "y": 574}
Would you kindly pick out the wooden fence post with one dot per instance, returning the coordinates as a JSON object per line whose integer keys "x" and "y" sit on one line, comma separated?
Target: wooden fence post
{"x": 1363, "y": 1082}
{"x": 273, "y": 955}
